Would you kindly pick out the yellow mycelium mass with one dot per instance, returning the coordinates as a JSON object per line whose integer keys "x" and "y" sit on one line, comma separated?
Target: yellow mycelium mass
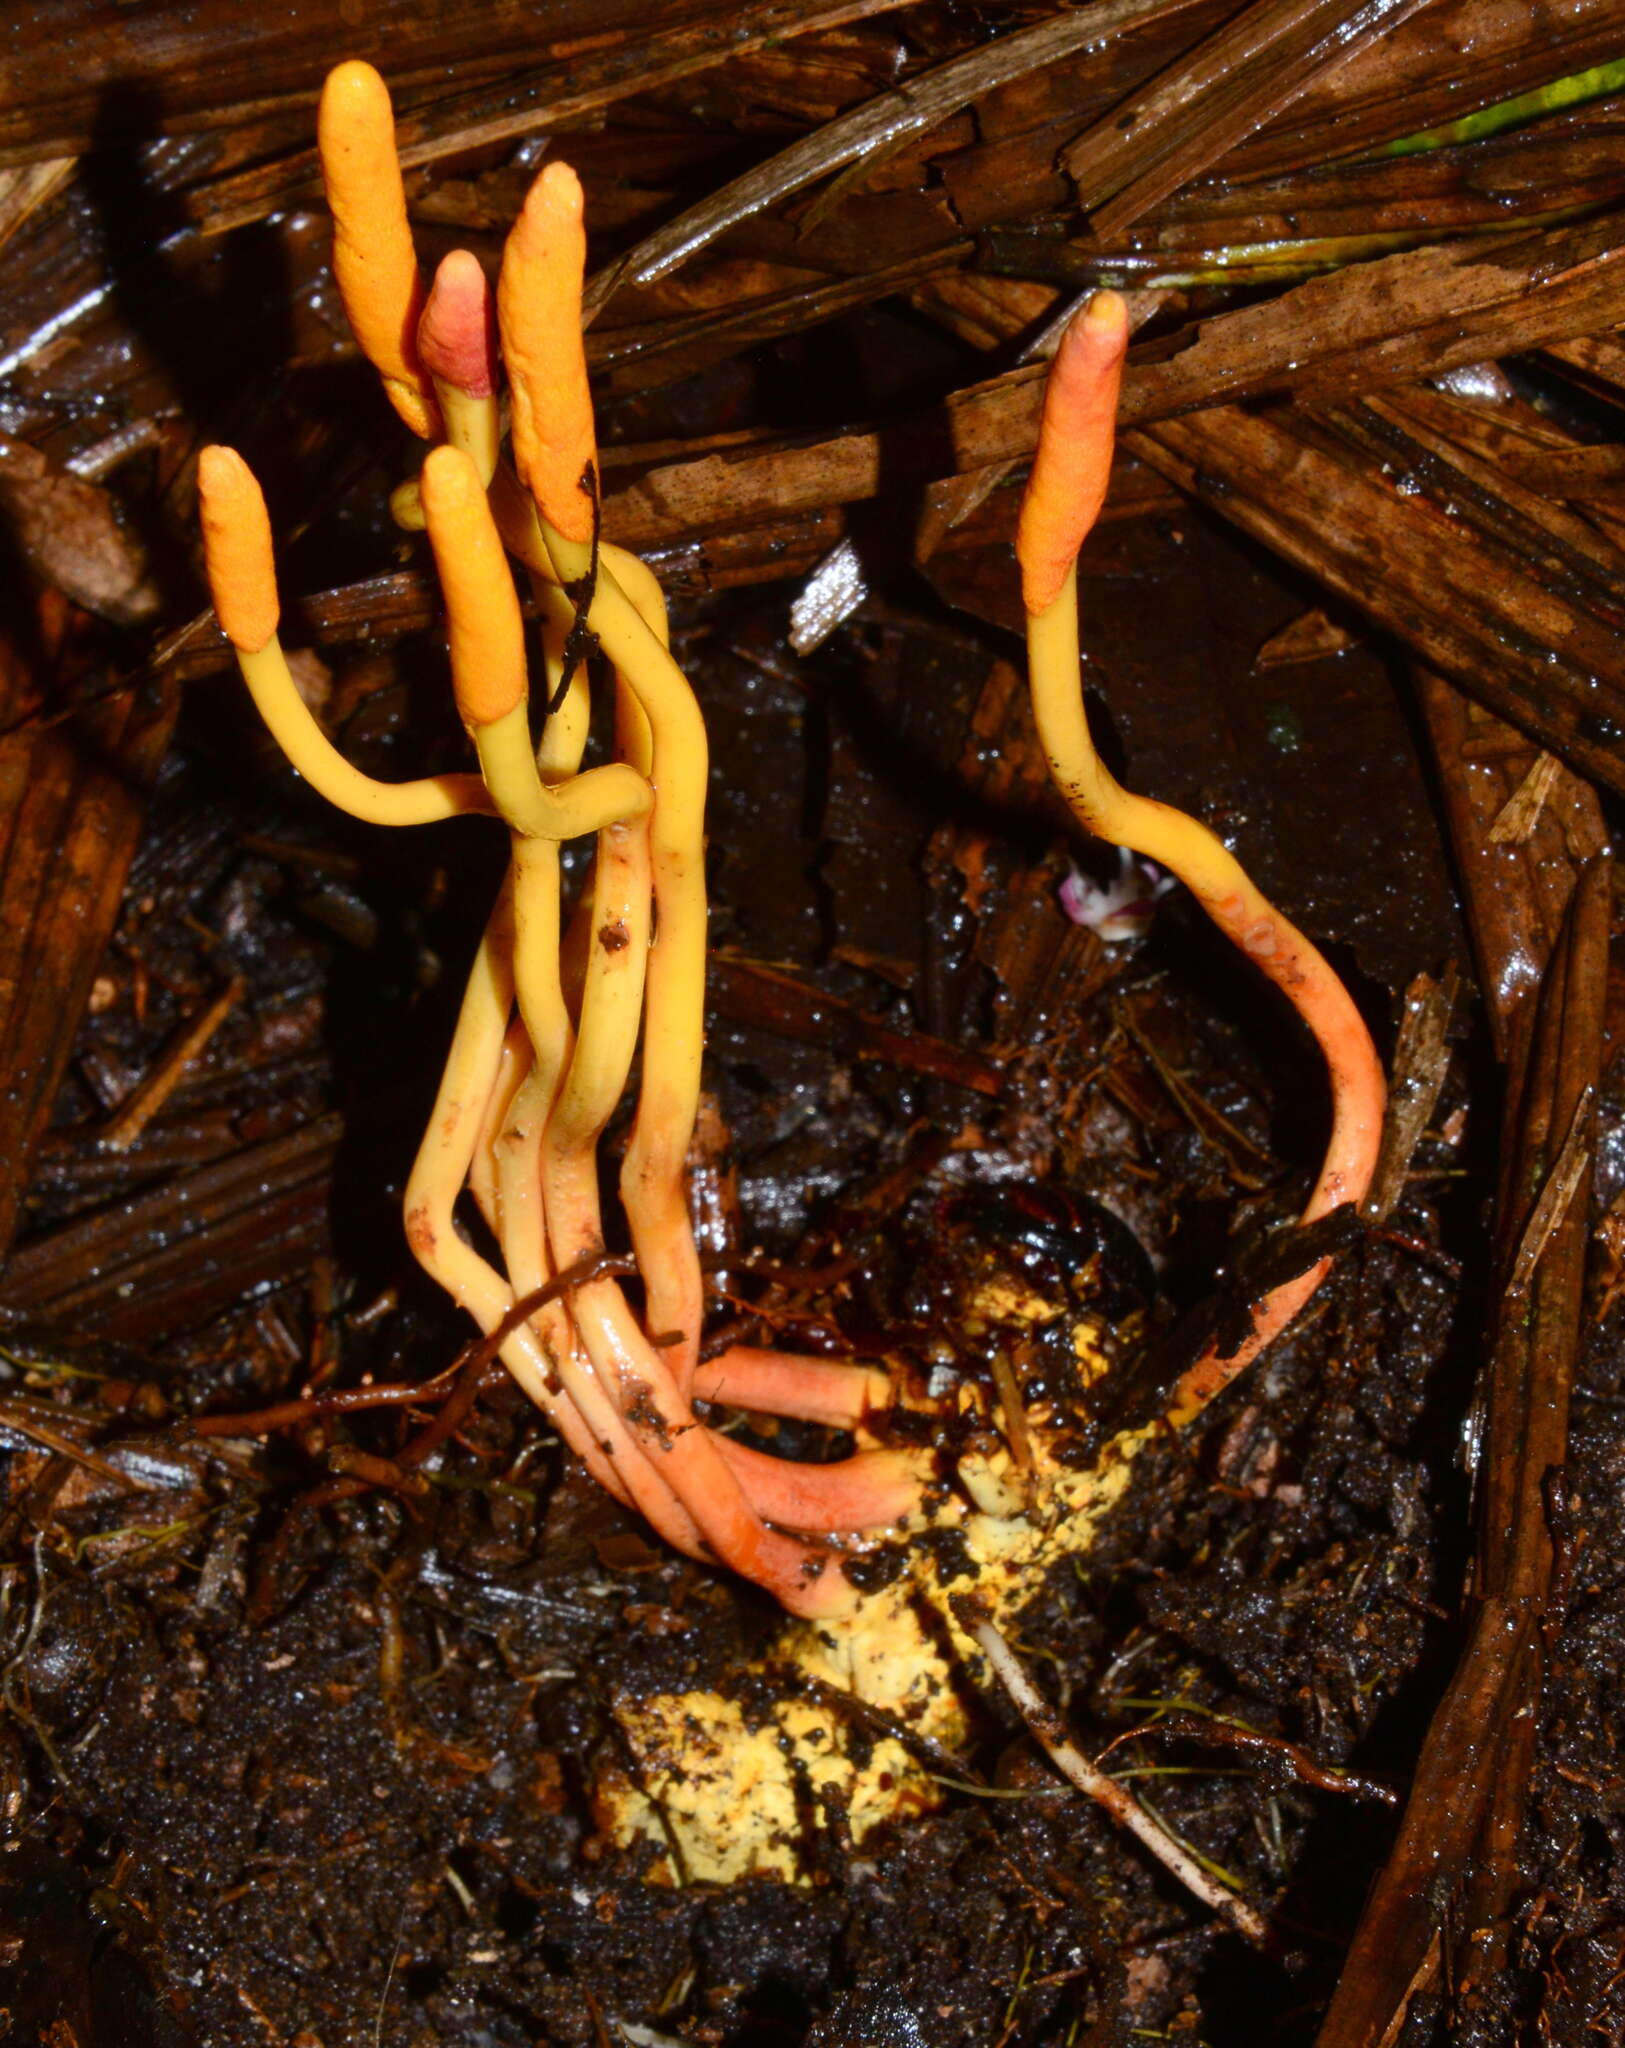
{"x": 724, "y": 1790}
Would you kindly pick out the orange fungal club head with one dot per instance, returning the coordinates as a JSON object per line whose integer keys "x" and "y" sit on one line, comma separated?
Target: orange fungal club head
{"x": 237, "y": 549}
{"x": 457, "y": 334}
{"x": 482, "y": 606}
{"x": 1070, "y": 470}
{"x": 539, "y": 308}
{"x": 373, "y": 258}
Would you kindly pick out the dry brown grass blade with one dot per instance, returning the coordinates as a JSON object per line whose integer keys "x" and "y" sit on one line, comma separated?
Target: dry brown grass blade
{"x": 72, "y": 797}
{"x": 1562, "y": 169}
{"x": 24, "y": 188}
{"x": 538, "y": 100}
{"x": 77, "y": 78}
{"x": 170, "y": 1258}
{"x": 752, "y": 992}
{"x": 1233, "y": 82}
{"x": 1516, "y": 892}
{"x": 1403, "y": 317}
{"x": 911, "y": 108}
{"x": 1420, "y": 1064}
{"x": 1455, "y": 438}
{"x": 651, "y": 352}
{"x": 1411, "y": 78}
{"x": 1575, "y": 474}
{"x": 1421, "y": 75}
{"x": 1447, "y": 570}
{"x": 1595, "y": 360}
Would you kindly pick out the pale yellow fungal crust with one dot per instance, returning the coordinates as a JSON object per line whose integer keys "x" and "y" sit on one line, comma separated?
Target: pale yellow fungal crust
{"x": 237, "y": 549}
{"x": 374, "y": 263}
{"x": 539, "y": 313}
{"x": 726, "y": 1787}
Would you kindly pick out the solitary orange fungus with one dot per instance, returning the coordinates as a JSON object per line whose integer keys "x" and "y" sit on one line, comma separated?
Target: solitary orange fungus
{"x": 1074, "y": 459}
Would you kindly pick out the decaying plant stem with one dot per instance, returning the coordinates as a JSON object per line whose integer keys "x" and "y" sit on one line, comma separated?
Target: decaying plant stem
{"x": 1105, "y": 1791}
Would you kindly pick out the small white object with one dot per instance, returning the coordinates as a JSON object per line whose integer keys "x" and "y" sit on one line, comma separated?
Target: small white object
{"x": 828, "y": 598}
{"x": 1121, "y": 911}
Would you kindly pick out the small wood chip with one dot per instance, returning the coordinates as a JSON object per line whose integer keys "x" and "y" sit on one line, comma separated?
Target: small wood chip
{"x": 152, "y": 1093}
{"x": 1573, "y": 1163}
{"x": 1521, "y": 812}
{"x": 1421, "y": 1061}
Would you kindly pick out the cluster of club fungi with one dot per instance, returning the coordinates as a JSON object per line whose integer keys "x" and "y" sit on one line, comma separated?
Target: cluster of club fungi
{"x": 562, "y": 1000}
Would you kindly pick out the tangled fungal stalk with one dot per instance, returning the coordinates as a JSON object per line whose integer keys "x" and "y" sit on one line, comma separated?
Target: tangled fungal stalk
{"x": 558, "y": 1005}
{"x": 553, "y": 1013}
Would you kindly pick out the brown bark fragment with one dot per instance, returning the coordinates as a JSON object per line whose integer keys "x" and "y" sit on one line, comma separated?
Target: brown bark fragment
{"x": 72, "y": 797}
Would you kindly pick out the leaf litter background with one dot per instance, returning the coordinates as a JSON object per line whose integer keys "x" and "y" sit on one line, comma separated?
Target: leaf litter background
{"x": 274, "y": 1769}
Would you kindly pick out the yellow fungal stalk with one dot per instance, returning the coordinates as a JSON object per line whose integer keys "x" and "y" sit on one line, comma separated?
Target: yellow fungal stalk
{"x": 457, "y": 346}
{"x": 539, "y": 313}
{"x": 242, "y": 580}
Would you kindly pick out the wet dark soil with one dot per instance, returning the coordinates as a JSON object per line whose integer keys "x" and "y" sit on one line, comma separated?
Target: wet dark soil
{"x": 316, "y": 1771}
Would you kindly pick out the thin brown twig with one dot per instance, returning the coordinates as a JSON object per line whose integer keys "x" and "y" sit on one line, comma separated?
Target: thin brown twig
{"x": 150, "y": 1094}
{"x": 65, "y": 1447}
{"x": 291, "y": 1414}
{"x": 476, "y": 1354}
{"x": 1222, "y": 1734}
{"x": 908, "y": 109}
{"x": 1067, "y": 1758}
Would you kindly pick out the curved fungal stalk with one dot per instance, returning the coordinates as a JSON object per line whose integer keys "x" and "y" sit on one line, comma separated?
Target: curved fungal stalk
{"x": 242, "y": 581}
{"x": 514, "y": 1131}
{"x": 1063, "y": 499}
{"x": 438, "y": 1175}
{"x": 487, "y": 646}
